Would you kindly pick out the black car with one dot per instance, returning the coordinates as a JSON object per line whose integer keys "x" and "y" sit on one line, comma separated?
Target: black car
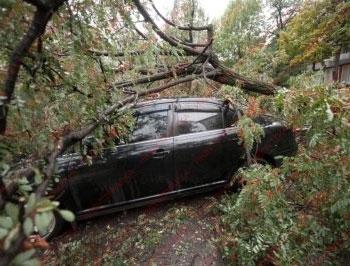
{"x": 179, "y": 147}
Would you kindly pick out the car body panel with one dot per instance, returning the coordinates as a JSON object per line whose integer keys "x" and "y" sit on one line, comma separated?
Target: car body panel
{"x": 179, "y": 147}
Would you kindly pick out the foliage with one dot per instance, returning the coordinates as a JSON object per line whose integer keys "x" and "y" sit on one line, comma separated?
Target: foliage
{"x": 318, "y": 31}
{"x": 247, "y": 38}
{"x": 283, "y": 11}
{"x": 240, "y": 29}
{"x": 92, "y": 56}
{"x": 297, "y": 214}
{"x": 188, "y": 13}
{"x": 249, "y": 132}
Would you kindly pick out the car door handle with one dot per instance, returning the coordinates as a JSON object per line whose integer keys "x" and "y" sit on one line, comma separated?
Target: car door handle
{"x": 160, "y": 153}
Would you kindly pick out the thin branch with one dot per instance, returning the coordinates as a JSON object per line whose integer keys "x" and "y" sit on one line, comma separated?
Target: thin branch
{"x": 102, "y": 69}
{"x": 191, "y": 28}
{"x": 205, "y": 77}
{"x": 200, "y": 56}
{"x": 37, "y": 28}
{"x": 189, "y": 43}
{"x": 192, "y": 21}
{"x": 140, "y": 33}
{"x": 160, "y": 33}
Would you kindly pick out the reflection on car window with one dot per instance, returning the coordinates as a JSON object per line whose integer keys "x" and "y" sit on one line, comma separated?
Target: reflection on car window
{"x": 192, "y": 122}
{"x": 150, "y": 126}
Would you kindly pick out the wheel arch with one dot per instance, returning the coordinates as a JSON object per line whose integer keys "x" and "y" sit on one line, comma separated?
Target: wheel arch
{"x": 265, "y": 157}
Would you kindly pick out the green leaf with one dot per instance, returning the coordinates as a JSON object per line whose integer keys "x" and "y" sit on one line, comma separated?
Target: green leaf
{"x": 28, "y": 226}
{"x": 31, "y": 262}
{"x": 43, "y": 220}
{"x": 12, "y": 210}
{"x": 22, "y": 257}
{"x": 38, "y": 177}
{"x": 46, "y": 206}
{"x": 22, "y": 181}
{"x": 26, "y": 188}
{"x": 3, "y": 233}
{"x": 30, "y": 203}
{"x": 55, "y": 203}
{"x": 67, "y": 215}
{"x": 6, "y": 222}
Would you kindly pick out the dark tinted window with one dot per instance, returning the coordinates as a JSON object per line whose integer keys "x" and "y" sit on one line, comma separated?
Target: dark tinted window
{"x": 150, "y": 126}
{"x": 230, "y": 117}
{"x": 197, "y": 121}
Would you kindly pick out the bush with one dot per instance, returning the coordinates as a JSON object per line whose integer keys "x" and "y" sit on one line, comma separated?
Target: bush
{"x": 300, "y": 213}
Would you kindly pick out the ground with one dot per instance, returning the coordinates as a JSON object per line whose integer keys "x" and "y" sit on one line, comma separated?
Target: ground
{"x": 181, "y": 232}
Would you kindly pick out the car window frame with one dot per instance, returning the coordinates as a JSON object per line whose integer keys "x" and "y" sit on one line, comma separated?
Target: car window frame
{"x": 236, "y": 112}
{"x": 145, "y": 110}
{"x": 201, "y": 107}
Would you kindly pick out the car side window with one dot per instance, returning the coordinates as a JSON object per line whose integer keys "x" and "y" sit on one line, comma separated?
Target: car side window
{"x": 197, "y": 121}
{"x": 150, "y": 126}
{"x": 230, "y": 117}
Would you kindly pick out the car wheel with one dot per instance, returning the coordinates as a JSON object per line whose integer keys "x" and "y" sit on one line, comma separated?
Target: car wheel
{"x": 239, "y": 183}
{"x": 55, "y": 227}
{"x": 260, "y": 161}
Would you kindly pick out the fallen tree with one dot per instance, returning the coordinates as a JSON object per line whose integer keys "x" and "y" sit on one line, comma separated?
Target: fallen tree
{"x": 59, "y": 63}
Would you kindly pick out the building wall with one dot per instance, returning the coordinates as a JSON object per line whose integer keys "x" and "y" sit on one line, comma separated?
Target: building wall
{"x": 328, "y": 68}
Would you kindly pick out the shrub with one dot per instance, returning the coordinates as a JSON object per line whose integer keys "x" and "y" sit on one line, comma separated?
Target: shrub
{"x": 300, "y": 213}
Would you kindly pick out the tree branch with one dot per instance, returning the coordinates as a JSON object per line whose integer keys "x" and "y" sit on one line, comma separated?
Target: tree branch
{"x": 178, "y": 71}
{"x": 160, "y": 33}
{"x": 229, "y": 77}
{"x": 41, "y": 17}
{"x": 130, "y": 53}
{"x": 191, "y": 28}
{"x": 225, "y": 75}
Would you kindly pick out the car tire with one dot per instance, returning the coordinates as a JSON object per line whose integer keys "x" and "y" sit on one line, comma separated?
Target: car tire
{"x": 56, "y": 226}
{"x": 240, "y": 182}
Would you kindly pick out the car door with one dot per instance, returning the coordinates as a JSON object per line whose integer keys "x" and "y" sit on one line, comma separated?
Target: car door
{"x": 130, "y": 173}
{"x": 198, "y": 145}
{"x": 93, "y": 184}
{"x": 151, "y": 148}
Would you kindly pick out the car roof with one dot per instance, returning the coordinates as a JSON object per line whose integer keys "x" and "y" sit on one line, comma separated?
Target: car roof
{"x": 178, "y": 100}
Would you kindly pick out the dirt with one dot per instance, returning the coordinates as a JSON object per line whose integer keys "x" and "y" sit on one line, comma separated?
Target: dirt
{"x": 180, "y": 232}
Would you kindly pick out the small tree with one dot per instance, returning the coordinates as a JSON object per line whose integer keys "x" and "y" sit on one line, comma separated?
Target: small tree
{"x": 319, "y": 31}
{"x": 241, "y": 28}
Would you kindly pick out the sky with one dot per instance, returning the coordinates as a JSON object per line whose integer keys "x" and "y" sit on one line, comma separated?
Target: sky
{"x": 213, "y": 8}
